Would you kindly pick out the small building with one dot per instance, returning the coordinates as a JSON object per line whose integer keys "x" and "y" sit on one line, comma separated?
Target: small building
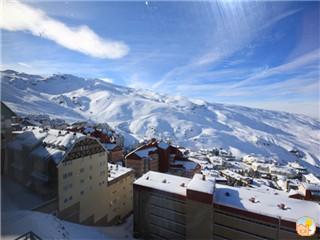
{"x": 115, "y": 153}
{"x": 143, "y": 159}
{"x": 283, "y": 171}
{"x": 261, "y": 167}
{"x": 184, "y": 168}
{"x": 310, "y": 191}
{"x": 235, "y": 178}
{"x": 310, "y": 178}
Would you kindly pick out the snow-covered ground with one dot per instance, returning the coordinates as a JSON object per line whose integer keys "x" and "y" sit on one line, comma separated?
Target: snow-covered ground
{"x": 139, "y": 114}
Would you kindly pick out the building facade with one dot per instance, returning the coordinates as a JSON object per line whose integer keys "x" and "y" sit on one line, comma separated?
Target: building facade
{"x": 160, "y": 156}
{"x": 172, "y": 207}
{"x": 73, "y": 169}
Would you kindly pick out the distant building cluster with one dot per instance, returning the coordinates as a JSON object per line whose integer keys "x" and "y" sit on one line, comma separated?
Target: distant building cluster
{"x": 161, "y": 157}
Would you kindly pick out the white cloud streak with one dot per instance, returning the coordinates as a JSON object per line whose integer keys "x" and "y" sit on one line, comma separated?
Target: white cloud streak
{"x": 105, "y": 79}
{"x": 17, "y": 16}
{"x": 296, "y": 64}
{"x": 236, "y": 25}
{"x": 24, "y": 64}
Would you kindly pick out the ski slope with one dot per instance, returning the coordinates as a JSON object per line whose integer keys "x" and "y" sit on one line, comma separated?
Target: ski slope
{"x": 140, "y": 114}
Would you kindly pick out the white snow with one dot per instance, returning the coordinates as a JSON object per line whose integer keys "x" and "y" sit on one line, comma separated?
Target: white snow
{"x": 16, "y": 223}
{"x": 266, "y": 202}
{"x": 56, "y": 142}
{"x": 144, "y": 153}
{"x": 142, "y": 114}
{"x": 200, "y": 185}
{"x": 310, "y": 178}
{"x": 116, "y": 171}
{"x": 164, "y": 182}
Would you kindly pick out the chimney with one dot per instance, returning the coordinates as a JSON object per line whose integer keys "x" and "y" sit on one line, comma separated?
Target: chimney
{"x": 203, "y": 177}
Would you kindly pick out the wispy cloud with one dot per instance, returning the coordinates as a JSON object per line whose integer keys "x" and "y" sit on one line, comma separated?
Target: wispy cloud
{"x": 234, "y": 27}
{"x": 294, "y": 65}
{"x": 24, "y": 64}
{"x": 17, "y": 16}
{"x": 109, "y": 80}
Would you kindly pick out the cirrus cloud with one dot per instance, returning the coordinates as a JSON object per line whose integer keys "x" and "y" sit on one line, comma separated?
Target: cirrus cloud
{"x": 17, "y": 16}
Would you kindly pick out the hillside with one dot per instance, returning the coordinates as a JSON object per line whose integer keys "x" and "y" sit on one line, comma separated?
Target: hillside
{"x": 139, "y": 114}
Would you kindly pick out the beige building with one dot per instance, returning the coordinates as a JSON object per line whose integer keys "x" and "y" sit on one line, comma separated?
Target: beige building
{"x": 173, "y": 207}
{"x": 73, "y": 169}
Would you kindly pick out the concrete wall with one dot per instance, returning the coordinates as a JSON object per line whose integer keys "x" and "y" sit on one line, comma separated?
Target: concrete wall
{"x": 158, "y": 216}
{"x": 142, "y": 166}
{"x": 83, "y": 181}
{"x": 116, "y": 156}
{"x": 136, "y": 165}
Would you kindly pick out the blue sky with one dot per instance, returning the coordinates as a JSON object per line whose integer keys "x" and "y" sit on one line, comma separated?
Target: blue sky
{"x": 258, "y": 54}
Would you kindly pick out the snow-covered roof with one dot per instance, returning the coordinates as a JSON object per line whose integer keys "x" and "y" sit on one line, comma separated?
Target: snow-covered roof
{"x": 188, "y": 165}
{"x": 31, "y": 137}
{"x": 50, "y": 143}
{"x": 116, "y": 171}
{"x": 109, "y": 146}
{"x": 266, "y": 202}
{"x": 164, "y": 182}
{"x": 311, "y": 186}
{"x": 46, "y": 153}
{"x": 144, "y": 153}
{"x": 282, "y": 169}
{"x": 163, "y": 145}
{"x": 199, "y": 184}
{"x": 232, "y": 174}
{"x": 311, "y": 178}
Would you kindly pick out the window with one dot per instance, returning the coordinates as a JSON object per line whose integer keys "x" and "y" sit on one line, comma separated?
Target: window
{"x": 82, "y": 192}
{"x": 69, "y": 174}
{"x": 315, "y": 193}
{"x": 70, "y": 198}
{"x": 90, "y": 167}
{"x": 81, "y": 170}
{"x": 81, "y": 180}
{"x": 65, "y": 175}
{"x": 68, "y": 186}
{"x": 65, "y": 200}
{"x": 90, "y": 177}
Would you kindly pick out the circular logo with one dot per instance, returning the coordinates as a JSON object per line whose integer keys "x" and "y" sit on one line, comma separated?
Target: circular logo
{"x": 305, "y": 226}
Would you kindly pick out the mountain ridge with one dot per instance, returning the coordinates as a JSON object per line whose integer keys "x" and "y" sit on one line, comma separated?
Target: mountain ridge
{"x": 141, "y": 114}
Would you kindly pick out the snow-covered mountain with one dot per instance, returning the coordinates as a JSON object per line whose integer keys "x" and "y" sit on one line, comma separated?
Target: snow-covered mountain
{"x": 142, "y": 114}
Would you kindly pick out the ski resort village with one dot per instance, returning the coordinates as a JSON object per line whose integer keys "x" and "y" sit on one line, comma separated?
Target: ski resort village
{"x": 179, "y": 119}
{"x": 64, "y": 178}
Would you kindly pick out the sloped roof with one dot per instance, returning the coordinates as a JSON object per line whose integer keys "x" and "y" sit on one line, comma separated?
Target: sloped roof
{"x": 51, "y": 143}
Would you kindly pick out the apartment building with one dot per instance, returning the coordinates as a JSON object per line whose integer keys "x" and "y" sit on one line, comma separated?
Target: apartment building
{"x": 73, "y": 169}
{"x": 6, "y": 133}
{"x": 143, "y": 160}
{"x": 173, "y": 207}
{"x": 160, "y": 156}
